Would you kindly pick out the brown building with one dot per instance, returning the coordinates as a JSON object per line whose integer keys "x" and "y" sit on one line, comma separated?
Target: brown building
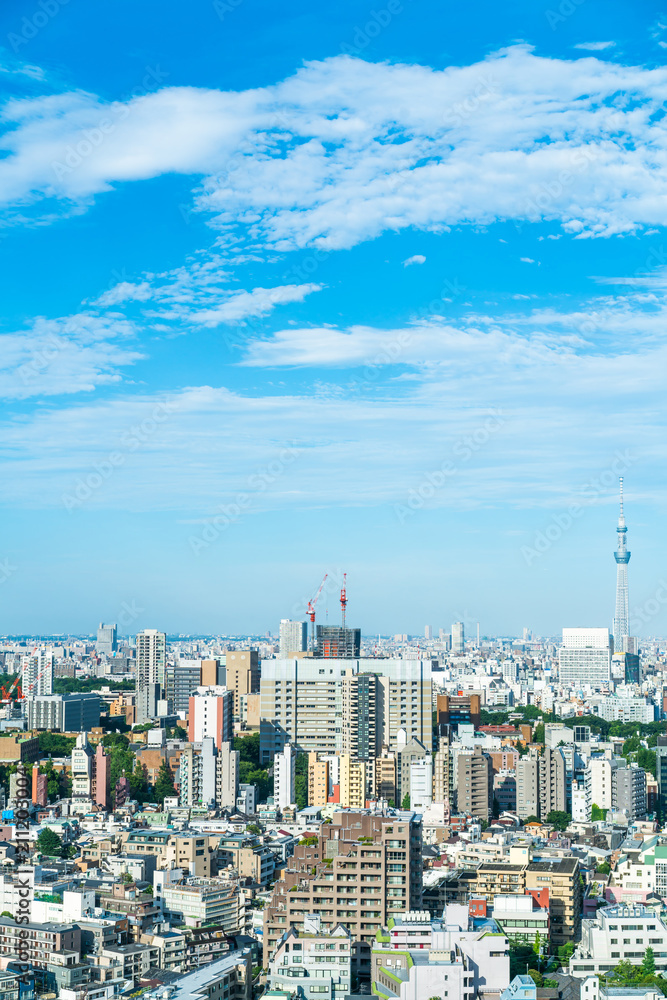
{"x": 475, "y": 784}
{"x": 561, "y": 877}
{"x": 384, "y": 777}
{"x": 242, "y": 668}
{"x": 455, "y": 708}
{"x": 504, "y": 760}
{"x": 212, "y": 673}
{"x": 563, "y": 880}
{"x": 362, "y": 870}
{"x": 23, "y": 748}
{"x": 38, "y": 942}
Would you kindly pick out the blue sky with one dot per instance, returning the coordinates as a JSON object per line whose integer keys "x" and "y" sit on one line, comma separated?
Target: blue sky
{"x": 289, "y": 290}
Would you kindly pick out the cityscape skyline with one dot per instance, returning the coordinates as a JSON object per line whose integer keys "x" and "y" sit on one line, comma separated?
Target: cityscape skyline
{"x": 226, "y": 360}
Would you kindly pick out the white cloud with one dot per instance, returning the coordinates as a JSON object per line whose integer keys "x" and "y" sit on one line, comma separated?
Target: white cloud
{"x": 63, "y": 356}
{"x": 346, "y": 149}
{"x": 595, "y": 46}
{"x": 528, "y": 260}
{"x": 125, "y": 291}
{"x": 415, "y": 259}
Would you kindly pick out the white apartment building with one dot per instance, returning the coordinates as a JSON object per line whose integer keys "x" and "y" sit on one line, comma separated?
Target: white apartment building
{"x": 585, "y": 657}
{"x": 293, "y": 638}
{"x": 315, "y": 965}
{"x": 599, "y": 780}
{"x": 520, "y": 918}
{"x": 206, "y": 900}
{"x": 421, "y": 783}
{"x": 284, "y": 774}
{"x": 619, "y": 933}
{"x": 37, "y": 675}
{"x": 301, "y": 702}
{"x": 615, "y": 709}
{"x": 211, "y": 714}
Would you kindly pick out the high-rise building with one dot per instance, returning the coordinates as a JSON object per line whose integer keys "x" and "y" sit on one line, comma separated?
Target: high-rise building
{"x": 151, "y": 649}
{"x": 585, "y": 657}
{"x": 661, "y": 776}
{"x": 82, "y": 768}
{"x": 319, "y": 784}
{"x": 100, "y": 786}
{"x": 241, "y": 675}
{"x": 293, "y": 638}
{"x": 39, "y": 787}
{"x": 338, "y": 643}
{"x": 210, "y": 715}
{"x": 63, "y": 713}
{"x": 408, "y": 751}
{"x": 458, "y": 638}
{"x": 302, "y": 703}
{"x": 421, "y": 783}
{"x": 284, "y": 774}
{"x": 334, "y": 879}
{"x": 629, "y": 792}
{"x": 362, "y": 708}
{"x": 37, "y": 675}
{"x": 107, "y": 639}
{"x": 180, "y": 680}
{"x": 622, "y": 557}
{"x": 528, "y": 785}
{"x": 552, "y": 782}
{"x": 227, "y": 776}
{"x": 428, "y": 631}
{"x": 353, "y": 782}
{"x": 212, "y": 673}
{"x": 475, "y": 783}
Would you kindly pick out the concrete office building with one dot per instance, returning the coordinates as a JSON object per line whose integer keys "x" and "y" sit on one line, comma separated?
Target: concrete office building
{"x": 293, "y": 638}
{"x": 302, "y": 703}
{"x": 181, "y": 679}
{"x": 107, "y": 639}
{"x": 406, "y": 754}
{"x": 64, "y": 713}
{"x": 421, "y": 783}
{"x": 585, "y": 657}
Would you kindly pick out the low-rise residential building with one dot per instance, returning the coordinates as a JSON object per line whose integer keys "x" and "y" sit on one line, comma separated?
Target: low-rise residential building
{"x": 313, "y": 964}
{"x": 200, "y": 901}
{"x": 619, "y": 933}
{"x": 521, "y": 918}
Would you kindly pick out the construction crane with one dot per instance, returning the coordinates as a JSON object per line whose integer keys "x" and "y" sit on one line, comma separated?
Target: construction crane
{"x": 311, "y": 611}
{"x": 343, "y": 599}
{"x": 7, "y": 695}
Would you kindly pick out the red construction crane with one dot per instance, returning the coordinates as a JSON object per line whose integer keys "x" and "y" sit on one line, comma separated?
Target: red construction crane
{"x": 343, "y": 599}
{"x": 311, "y": 611}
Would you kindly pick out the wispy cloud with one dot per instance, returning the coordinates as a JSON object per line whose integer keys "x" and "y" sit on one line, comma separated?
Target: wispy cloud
{"x": 417, "y": 258}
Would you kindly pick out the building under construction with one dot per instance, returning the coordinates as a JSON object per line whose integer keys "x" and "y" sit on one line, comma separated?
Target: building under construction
{"x": 338, "y": 643}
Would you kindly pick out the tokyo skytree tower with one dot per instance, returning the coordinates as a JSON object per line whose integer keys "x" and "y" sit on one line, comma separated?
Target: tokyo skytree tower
{"x": 622, "y": 557}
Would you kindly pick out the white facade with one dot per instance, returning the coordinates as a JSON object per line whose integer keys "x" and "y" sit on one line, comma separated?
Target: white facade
{"x": 82, "y": 768}
{"x": 581, "y": 802}
{"x": 619, "y": 933}
{"x": 421, "y": 783}
{"x": 37, "y": 675}
{"x": 284, "y": 773}
{"x": 458, "y": 637}
{"x": 584, "y": 659}
{"x": 293, "y": 637}
{"x": 599, "y": 781}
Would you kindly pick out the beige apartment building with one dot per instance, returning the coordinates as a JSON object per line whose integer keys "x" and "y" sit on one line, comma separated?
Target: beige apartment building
{"x": 363, "y": 870}
{"x": 475, "y": 783}
{"x": 242, "y": 670}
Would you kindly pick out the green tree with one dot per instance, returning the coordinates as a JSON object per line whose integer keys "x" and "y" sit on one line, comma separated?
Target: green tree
{"x": 560, "y": 819}
{"x": 254, "y": 828}
{"x": 248, "y": 747}
{"x": 56, "y": 744}
{"x": 597, "y": 813}
{"x": 648, "y": 962}
{"x": 538, "y": 733}
{"x": 50, "y": 843}
{"x": 604, "y": 868}
{"x": 646, "y": 759}
{"x": 301, "y": 780}
{"x": 115, "y": 741}
{"x": 405, "y": 804}
{"x": 164, "y": 784}
{"x": 531, "y": 819}
{"x": 180, "y": 733}
{"x": 537, "y": 946}
{"x": 565, "y": 953}
{"x": 139, "y": 783}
